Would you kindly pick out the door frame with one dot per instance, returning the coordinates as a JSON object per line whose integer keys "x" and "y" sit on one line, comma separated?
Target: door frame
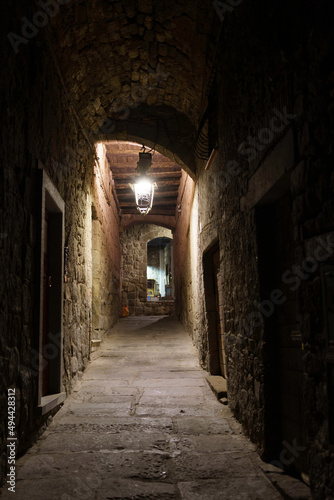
{"x": 51, "y": 201}
{"x": 213, "y": 307}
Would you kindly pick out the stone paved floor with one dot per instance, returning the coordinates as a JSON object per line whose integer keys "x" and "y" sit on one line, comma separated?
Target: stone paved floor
{"x": 143, "y": 424}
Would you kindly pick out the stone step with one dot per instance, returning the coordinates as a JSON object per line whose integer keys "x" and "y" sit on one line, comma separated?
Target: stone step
{"x": 289, "y": 487}
{"x": 95, "y": 344}
{"x": 218, "y": 385}
{"x": 95, "y": 348}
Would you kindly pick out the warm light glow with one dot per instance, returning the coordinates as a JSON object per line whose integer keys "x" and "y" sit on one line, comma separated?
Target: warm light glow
{"x": 144, "y": 192}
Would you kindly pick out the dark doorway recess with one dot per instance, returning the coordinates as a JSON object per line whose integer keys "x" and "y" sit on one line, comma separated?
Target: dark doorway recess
{"x": 50, "y": 314}
{"x": 214, "y": 306}
{"x": 47, "y": 283}
{"x": 327, "y": 279}
{"x": 52, "y": 278}
{"x": 283, "y": 384}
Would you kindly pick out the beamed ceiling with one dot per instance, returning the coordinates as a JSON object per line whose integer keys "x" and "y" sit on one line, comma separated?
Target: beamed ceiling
{"x": 123, "y": 158}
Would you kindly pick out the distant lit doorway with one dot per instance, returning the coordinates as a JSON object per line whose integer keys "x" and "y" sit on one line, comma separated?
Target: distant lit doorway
{"x": 160, "y": 269}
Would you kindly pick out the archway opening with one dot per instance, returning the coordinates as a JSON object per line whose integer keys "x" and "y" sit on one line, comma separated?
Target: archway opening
{"x": 160, "y": 269}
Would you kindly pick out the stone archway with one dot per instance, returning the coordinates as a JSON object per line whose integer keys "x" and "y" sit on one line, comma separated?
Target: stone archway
{"x": 162, "y": 128}
{"x": 114, "y": 55}
{"x": 134, "y": 267}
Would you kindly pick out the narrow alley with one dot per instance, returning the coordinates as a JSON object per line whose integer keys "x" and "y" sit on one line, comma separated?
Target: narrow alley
{"x": 166, "y": 224}
{"x": 143, "y": 424}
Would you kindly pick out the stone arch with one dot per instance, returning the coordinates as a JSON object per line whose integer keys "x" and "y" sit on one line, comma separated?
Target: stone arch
{"x": 105, "y": 50}
{"x": 134, "y": 266}
{"x": 156, "y": 232}
{"x": 144, "y": 67}
{"x": 145, "y": 232}
{"x": 162, "y": 128}
{"x": 156, "y": 220}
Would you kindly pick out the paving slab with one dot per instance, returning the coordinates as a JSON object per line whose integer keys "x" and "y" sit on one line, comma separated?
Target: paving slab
{"x": 175, "y": 411}
{"x": 173, "y": 391}
{"x": 142, "y": 423}
{"x": 202, "y": 425}
{"x": 120, "y": 489}
{"x": 172, "y": 382}
{"x": 253, "y": 488}
{"x": 104, "y": 441}
{"x": 74, "y": 423}
{"x": 214, "y": 443}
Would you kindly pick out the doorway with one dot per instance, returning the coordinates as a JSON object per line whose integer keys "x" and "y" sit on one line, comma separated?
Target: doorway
{"x": 160, "y": 269}
{"x": 284, "y": 404}
{"x": 51, "y": 272}
{"x": 214, "y": 307}
{"x": 47, "y": 283}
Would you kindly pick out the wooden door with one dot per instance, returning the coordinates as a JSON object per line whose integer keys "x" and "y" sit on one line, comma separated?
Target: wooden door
{"x": 219, "y": 305}
{"x": 289, "y": 339}
{"x": 46, "y": 297}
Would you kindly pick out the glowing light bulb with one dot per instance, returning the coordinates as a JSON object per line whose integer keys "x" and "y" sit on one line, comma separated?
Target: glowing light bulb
{"x": 144, "y": 192}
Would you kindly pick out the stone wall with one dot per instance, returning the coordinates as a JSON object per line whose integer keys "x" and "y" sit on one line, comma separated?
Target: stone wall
{"x": 303, "y": 156}
{"x": 41, "y": 130}
{"x": 282, "y": 65}
{"x": 273, "y": 140}
{"x": 157, "y": 67}
{"x": 106, "y": 288}
{"x": 185, "y": 248}
{"x": 134, "y": 270}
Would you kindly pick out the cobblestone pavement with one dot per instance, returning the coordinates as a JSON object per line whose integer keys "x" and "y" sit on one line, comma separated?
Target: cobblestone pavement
{"x": 143, "y": 424}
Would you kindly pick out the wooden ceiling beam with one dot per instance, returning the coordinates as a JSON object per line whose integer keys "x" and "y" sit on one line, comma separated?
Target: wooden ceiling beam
{"x": 161, "y": 183}
{"x": 167, "y": 190}
{"x": 160, "y": 203}
{"x": 163, "y": 193}
{"x": 123, "y": 158}
{"x": 130, "y": 156}
{"x": 155, "y": 175}
{"x": 152, "y": 212}
{"x": 132, "y": 170}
